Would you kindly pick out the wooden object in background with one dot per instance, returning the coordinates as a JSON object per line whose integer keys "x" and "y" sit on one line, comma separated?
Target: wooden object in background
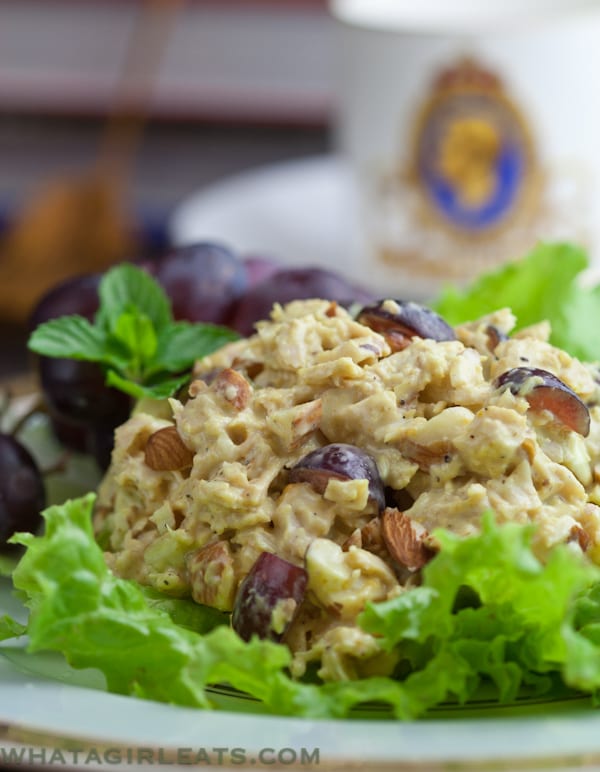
{"x": 79, "y": 225}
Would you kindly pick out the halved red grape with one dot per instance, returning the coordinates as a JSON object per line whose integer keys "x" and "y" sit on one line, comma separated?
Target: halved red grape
{"x": 406, "y": 321}
{"x": 22, "y": 493}
{"x": 202, "y": 280}
{"x": 268, "y": 598}
{"x": 292, "y": 284}
{"x": 544, "y": 391}
{"x": 339, "y": 461}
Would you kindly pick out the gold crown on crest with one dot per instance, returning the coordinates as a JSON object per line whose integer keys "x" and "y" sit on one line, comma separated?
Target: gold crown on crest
{"x": 467, "y": 75}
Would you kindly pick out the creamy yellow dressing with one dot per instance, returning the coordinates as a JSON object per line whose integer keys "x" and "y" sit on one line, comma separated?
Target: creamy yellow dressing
{"x": 443, "y": 437}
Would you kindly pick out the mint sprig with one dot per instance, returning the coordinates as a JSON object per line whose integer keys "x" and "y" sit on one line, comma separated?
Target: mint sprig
{"x": 134, "y": 337}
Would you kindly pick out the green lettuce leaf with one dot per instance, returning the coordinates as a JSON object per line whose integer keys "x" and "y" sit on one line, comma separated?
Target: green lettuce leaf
{"x": 545, "y": 284}
{"x": 520, "y": 624}
{"x": 97, "y": 620}
{"x": 7, "y": 564}
{"x": 10, "y": 629}
{"x": 186, "y": 612}
{"x": 575, "y": 329}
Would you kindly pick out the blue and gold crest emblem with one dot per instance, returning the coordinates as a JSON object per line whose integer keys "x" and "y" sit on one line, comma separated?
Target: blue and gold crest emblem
{"x": 473, "y": 158}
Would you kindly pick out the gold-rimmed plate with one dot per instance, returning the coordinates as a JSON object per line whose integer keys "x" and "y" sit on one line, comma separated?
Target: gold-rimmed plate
{"x": 52, "y": 716}
{"x": 45, "y": 722}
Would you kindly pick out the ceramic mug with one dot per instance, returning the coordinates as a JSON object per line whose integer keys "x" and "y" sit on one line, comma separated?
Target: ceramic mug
{"x": 473, "y": 131}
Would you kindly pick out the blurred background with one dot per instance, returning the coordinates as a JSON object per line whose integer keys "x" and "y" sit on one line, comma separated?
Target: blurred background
{"x": 402, "y": 146}
{"x": 128, "y": 107}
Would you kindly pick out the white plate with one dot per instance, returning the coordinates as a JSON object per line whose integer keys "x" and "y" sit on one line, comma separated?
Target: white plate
{"x": 300, "y": 212}
{"x": 38, "y": 715}
{"x": 50, "y": 722}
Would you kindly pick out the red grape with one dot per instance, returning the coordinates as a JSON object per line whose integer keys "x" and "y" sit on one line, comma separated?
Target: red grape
{"x": 259, "y": 269}
{"x": 292, "y": 284}
{"x": 22, "y": 494}
{"x": 71, "y": 435}
{"x": 76, "y": 295}
{"x": 410, "y": 320}
{"x": 544, "y": 391}
{"x": 79, "y": 402}
{"x": 202, "y": 280}
{"x": 342, "y": 462}
{"x": 76, "y": 391}
{"x": 273, "y": 583}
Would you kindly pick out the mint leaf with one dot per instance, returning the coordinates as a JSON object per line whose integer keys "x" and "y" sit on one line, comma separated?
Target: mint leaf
{"x": 163, "y": 387}
{"x": 134, "y": 338}
{"x": 125, "y": 288}
{"x": 181, "y": 343}
{"x": 136, "y": 332}
{"x": 72, "y": 337}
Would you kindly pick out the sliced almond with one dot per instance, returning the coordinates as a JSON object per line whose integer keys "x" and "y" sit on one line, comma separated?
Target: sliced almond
{"x": 294, "y": 425}
{"x": 233, "y": 387}
{"x": 332, "y": 309}
{"x": 197, "y": 386}
{"x": 405, "y": 539}
{"x": 166, "y": 452}
{"x": 354, "y": 540}
{"x": 250, "y": 368}
{"x": 579, "y": 535}
{"x": 426, "y": 455}
{"x": 369, "y": 537}
{"x": 372, "y": 536}
{"x": 306, "y": 421}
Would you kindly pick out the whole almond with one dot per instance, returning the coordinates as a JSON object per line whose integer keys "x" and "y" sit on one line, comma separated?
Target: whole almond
{"x": 165, "y": 451}
{"x": 405, "y": 539}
